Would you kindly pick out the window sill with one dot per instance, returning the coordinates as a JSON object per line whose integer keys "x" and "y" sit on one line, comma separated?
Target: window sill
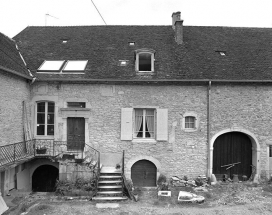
{"x": 144, "y": 141}
{"x": 43, "y": 137}
{"x": 190, "y": 129}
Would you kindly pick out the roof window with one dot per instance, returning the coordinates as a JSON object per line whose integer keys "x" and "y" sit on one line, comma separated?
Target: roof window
{"x": 75, "y": 65}
{"x": 145, "y": 60}
{"x": 131, "y": 43}
{"x": 51, "y": 65}
{"x": 222, "y": 53}
{"x": 123, "y": 62}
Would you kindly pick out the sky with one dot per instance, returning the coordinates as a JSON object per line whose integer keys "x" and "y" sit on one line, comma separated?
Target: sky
{"x": 16, "y": 15}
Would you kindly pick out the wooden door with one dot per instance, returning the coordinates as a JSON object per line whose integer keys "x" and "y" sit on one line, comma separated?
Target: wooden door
{"x": 229, "y": 148}
{"x": 144, "y": 174}
{"x": 75, "y": 133}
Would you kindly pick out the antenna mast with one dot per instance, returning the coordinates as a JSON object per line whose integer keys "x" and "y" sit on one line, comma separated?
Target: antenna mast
{"x": 46, "y": 15}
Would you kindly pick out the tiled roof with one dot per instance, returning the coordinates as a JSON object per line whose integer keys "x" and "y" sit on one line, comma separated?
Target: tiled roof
{"x": 248, "y": 51}
{"x": 10, "y": 60}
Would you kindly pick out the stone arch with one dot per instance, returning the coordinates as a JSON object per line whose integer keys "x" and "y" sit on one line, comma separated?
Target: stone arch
{"x": 142, "y": 157}
{"x": 255, "y": 148}
{"x": 44, "y": 178}
{"x": 37, "y": 163}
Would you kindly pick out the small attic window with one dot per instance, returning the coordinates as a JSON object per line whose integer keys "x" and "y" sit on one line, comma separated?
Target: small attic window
{"x": 145, "y": 60}
{"x": 222, "y": 53}
{"x": 51, "y": 66}
{"x": 64, "y": 41}
{"x": 131, "y": 43}
{"x": 123, "y": 62}
{"x": 75, "y": 66}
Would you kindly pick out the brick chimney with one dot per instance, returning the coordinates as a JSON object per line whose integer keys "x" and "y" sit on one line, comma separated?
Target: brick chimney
{"x": 177, "y": 25}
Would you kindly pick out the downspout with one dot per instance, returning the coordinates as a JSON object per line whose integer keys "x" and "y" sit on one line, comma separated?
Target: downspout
{"x": 210, "y": 151}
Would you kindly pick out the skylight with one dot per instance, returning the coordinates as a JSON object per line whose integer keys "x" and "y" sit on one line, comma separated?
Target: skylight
{"x": 222, "y": 53}
{"x": 123, "y": 62}
{"x": 51, "y": 65}
{"x": 75, "y": 65}
{"x": 131, "y": 43}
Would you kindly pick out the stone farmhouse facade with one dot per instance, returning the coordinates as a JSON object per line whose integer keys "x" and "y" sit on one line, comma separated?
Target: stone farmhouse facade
{"x": 178, "y": 100}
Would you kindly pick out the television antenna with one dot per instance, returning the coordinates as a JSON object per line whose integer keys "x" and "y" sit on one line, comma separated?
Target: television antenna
{"x": 48, "y": 15}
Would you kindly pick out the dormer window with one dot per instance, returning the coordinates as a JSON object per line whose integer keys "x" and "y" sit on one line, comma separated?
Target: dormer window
{"x": 145, "y": 60}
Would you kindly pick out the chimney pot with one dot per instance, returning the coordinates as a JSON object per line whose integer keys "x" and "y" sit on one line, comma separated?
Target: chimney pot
{"x": 175, "y": 17}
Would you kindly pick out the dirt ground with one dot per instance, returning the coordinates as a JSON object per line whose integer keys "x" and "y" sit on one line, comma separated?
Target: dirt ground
{"x": 239, "y": 198}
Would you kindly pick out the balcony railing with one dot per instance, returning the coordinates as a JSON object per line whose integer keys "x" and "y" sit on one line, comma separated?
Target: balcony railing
{"x": 17, "y": 152}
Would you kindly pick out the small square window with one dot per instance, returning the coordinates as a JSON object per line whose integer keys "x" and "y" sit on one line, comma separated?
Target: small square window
{"x": 144, "y": 123}
{"x": 190, "y": 122}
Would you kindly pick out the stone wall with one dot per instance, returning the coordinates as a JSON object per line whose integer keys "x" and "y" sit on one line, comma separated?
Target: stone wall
{"x": 244, "y": 107}
{"x": 14, "y": 90}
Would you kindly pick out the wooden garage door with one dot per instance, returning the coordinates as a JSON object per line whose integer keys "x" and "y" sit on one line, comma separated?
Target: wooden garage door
{"x": 231, "y": 148}
{"x": 144, "y": 174}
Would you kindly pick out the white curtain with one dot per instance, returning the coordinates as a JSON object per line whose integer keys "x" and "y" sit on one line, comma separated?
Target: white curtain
{"x": 138, "y": 120}
{"x": 149, "y": 118}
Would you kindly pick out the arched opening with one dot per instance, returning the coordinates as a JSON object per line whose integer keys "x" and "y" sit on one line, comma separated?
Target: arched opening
{"x": 232, "y": 154}
{"x": 144, "y": 174}
{"x": 44, "y": 178}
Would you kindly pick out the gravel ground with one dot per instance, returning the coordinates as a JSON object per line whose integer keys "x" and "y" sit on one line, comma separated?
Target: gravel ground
{"x": 220, "y": 200}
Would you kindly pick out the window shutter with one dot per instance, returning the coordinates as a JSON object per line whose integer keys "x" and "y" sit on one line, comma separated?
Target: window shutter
{"x": 126, "y": 124}
{"x": 162, "y": 124}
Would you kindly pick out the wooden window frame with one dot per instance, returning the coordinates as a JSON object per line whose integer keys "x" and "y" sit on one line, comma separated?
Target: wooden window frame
{"x": 137, "y": 61}
{"x": 45, "y": 120}
{"x": 144, "y": 124}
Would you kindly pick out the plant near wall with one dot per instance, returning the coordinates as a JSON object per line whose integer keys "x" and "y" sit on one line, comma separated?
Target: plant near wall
{"x": 162, "y": 182}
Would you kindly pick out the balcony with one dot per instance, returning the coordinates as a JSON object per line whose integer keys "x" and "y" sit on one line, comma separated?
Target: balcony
{"x": 23, "y": 151}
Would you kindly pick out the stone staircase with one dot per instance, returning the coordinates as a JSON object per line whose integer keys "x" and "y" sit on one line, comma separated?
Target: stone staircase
{"x": 110, "y": 185}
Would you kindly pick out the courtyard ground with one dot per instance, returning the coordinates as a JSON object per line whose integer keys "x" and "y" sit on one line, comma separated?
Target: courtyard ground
{"x": 232, "y": 198}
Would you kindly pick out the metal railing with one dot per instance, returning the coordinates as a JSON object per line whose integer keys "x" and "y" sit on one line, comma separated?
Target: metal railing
{"x": 48, "y": 148}
{"x": 15, "y": 152}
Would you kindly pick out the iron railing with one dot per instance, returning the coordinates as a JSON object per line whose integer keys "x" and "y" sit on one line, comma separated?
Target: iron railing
{"x": 15, "y": 152}
{"x": 48, "y": 148}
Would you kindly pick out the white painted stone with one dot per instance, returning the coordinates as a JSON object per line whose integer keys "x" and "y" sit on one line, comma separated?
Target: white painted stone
{"x": 107, "y": 205}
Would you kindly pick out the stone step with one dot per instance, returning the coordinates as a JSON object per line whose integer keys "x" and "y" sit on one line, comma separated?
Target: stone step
{"x": 108, "y": 192}
{"x": 110, "y": 187}
{"x": 110, "y": 182}
{"x": 110, "y": 170}
{"x": 109, "y": 198}
{"x": 110, "y": 176}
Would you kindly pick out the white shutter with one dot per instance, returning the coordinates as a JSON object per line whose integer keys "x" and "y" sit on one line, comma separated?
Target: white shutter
{"x": 162, "y": 124}
{"x": 126, "y": 123}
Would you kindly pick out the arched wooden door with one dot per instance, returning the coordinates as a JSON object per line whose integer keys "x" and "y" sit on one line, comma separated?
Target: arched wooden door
{"x": 231, "y": 148}
{"x": 144, "y": 174}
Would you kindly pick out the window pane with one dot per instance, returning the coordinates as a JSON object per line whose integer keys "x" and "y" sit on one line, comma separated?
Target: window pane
{"x": 145, "y": 62}
{"x": 50, "y": 130}
{"x": 40, "y": 129}
{"x": 51, "y": 107}
{"x": 50, "y": 118}
{"x": 40, "y": 118}
{"x": 51, "y": 65}
{"x": 41, "y": 107}
{"x": 189, "y": 122}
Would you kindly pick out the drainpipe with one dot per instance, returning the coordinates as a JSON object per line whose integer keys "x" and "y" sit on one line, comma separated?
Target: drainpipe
{"x": 209, "y": 161}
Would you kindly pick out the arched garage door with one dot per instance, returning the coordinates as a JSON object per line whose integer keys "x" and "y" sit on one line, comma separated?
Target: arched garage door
{"x": 44, "y": 178}
{"x": 144, "y": 174}
{"x": 230, "y": 148}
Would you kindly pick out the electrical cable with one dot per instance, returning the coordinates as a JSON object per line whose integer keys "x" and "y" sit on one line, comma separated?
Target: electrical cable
{"x": 99, "y": 12}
